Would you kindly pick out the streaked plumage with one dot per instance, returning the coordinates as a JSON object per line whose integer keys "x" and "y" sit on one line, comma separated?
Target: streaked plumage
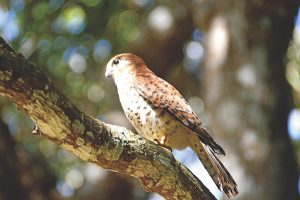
{"x": 160, "y": 113}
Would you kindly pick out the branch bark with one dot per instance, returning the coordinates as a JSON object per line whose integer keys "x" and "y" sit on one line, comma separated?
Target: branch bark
{"x": 109, "y": 146}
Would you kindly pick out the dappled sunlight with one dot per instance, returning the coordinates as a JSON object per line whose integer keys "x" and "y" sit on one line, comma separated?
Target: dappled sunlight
{"x": 201, "y": 47}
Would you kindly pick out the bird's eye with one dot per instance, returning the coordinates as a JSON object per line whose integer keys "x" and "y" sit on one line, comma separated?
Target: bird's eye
{"x": 116, "y": 61}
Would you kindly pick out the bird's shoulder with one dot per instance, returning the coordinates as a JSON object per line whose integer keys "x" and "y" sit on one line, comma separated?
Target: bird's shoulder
{"x": 162, "y": 94}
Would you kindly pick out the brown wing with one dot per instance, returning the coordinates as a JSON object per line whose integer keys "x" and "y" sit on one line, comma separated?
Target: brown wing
{"x": 161, "y": 94}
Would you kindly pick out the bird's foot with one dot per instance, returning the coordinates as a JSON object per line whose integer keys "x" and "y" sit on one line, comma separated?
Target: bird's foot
{"x": 162, "y": 143}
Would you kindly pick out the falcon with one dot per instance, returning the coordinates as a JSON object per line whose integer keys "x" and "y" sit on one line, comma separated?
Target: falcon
{"x": 160, "y": 113}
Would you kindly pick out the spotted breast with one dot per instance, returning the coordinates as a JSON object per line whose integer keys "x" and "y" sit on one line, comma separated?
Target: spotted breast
{"x": 153, "y": 123}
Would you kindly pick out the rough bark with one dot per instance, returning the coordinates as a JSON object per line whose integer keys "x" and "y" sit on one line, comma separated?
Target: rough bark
{"x": 109, "y": 146}
{"x": 246, "y": 94}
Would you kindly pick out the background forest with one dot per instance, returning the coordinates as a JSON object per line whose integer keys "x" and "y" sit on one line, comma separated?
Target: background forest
{"x": 236, "y": 62}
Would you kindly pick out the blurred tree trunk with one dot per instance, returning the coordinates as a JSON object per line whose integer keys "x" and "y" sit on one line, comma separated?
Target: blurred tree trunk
{"x": 10, "y": 181}
{"x": 246, "y": 94}
{"x": 22, "y": 176}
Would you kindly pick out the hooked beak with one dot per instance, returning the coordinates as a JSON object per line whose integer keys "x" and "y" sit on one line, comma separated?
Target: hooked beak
{"x": 108, "y": 73}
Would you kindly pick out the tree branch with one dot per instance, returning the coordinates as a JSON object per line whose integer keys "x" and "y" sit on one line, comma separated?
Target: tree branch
{"x": 109, "y": 146}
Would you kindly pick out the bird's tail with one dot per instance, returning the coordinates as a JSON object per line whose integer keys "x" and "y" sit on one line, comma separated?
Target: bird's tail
{"x": 215, "y": 168}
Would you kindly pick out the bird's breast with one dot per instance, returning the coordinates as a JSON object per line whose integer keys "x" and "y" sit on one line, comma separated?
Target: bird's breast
{"x": 149, "y": 121}
{"x": 137, "y": 109}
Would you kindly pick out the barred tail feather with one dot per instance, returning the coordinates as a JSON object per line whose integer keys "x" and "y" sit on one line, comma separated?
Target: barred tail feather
{"x": 211, "y": 143}
{"x": 215, "y": 168}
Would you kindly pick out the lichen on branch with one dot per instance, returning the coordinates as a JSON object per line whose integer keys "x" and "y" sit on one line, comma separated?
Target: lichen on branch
{"x": 111, "y": 147}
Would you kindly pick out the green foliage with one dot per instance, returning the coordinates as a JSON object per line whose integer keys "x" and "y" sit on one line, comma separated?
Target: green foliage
{"x": 71, "y": 41}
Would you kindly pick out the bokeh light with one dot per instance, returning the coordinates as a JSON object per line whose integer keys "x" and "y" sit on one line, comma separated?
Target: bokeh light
{"x": 72, "y": 20}
{"x": 95, "y": 93}
{"x": 77, "y": 63}
{"x": 94, "y": 173}
{"x": 194, "y": 51}
{"x": 65, "y": 157}
{"x": 246, "y": 76}
{"x": 74, "y": 178}
{"x": 218, "y": 42}
{"x": 48, "y": 148}
{"x": 17, "y": 5}
{"x": 294, "y": 124}
{"x": 9, "y": 28}
{"x": 299, "y": 185}
{"x": 64, "y": 189}
{"x": 197, "y": 35}
{"x": 102, "y": 50}
{"x": 155, "y": 196}
{"x": 161, "y": 19}
{"x": 14, "y": 118}
{"x": 127, "y": 26}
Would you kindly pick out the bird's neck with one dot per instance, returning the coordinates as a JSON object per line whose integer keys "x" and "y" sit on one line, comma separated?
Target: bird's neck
{"x": 124, "y": 80}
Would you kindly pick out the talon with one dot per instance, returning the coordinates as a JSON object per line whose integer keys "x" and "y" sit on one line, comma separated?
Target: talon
{"x": 156, "y": 141}
{"x": 162, "y": 142}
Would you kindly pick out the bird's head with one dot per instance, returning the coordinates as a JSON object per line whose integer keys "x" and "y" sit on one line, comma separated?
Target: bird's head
{"x": 124, "y": 65}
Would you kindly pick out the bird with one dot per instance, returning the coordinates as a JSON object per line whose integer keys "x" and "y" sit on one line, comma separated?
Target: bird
{"x": 160, "y": 113}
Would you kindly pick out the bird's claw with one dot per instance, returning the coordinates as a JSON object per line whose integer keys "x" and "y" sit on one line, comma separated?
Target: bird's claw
{"x": 162, "y": 143}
